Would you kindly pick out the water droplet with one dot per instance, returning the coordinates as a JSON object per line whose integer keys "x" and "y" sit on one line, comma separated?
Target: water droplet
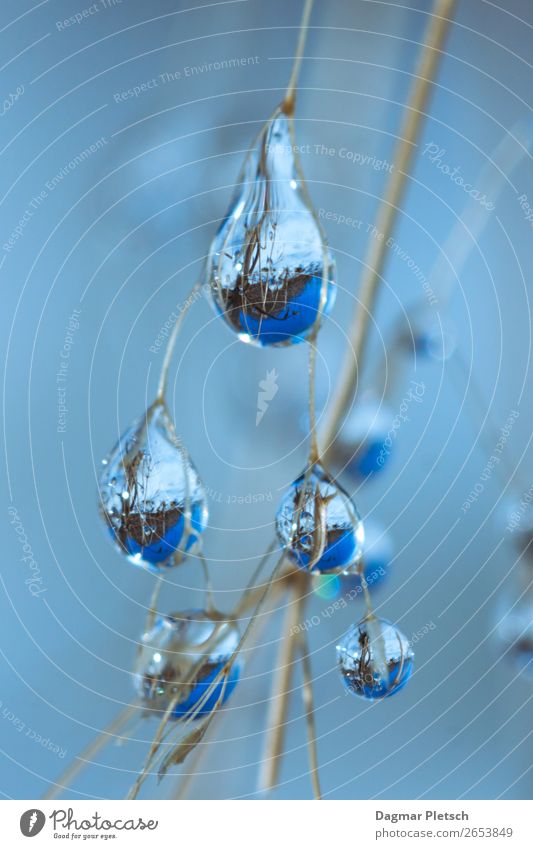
{"x": 429, "y": 334}
{"x": 363, "y": 445}
{"x": 374, "y": 658}
{"x": 515, "y": 517}
{"x": 154, "y": 470}
{"x": 180, "y": 658}
{"x": 435, "y": 342}
{"x": 515, "y": 631}
{"x": 320, "y": 525}
{"x": 270, "y": 272}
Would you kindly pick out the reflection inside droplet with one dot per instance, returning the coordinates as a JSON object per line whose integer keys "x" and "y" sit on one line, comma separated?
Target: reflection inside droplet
{"x": 151, "y": 495}
{"x": 269, "y": 269}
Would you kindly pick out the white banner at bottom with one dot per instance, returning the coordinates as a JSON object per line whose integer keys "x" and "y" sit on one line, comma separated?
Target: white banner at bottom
{"x": 250, "y": 824}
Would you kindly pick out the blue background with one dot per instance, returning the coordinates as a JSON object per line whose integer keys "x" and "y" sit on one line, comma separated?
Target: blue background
{"x": 123, "y": 237}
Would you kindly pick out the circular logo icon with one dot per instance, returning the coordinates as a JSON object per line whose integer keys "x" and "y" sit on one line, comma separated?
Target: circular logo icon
{"x": 32, "y": 822}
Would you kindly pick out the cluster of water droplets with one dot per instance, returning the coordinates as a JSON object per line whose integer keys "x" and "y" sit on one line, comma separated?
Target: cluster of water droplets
{"x": 151, "y": 496}
{"x": 270, "y": 272}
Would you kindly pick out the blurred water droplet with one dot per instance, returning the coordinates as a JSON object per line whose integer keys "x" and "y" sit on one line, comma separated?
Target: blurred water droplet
{"x": 363, "y": 445}
{"x": 515, "y": 631}
{"x": 429, "y": 335}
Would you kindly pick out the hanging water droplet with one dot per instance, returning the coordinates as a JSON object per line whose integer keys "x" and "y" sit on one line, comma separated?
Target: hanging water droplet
{"x": 319, "y": 524}
{"x": 165, "y": 510}
{"x": 270, "y": 272}
{"x": 179, "y": 660}
{"x": 429, "y": 334}
{"x": 515, "y": 630}
{"x": 374, "y": 658}
{"x": 364, "y": 443}
{"x": 435, "y": 341}
{"x": 515, "y": 517}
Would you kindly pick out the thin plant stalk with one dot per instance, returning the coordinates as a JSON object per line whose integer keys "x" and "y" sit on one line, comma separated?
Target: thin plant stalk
{"x": 133, "y": 793}
{"x": 441, "y": 18}
{"x": 412, "y": 124}
{"x": 152, "y": 610}
{"x": 281, "y": 688}
{"x": 290, "y": 95}
{"x": 210, "y": 599}
{"x": 171, "y": 344}
{"x": 85, "y": 757}
{"x": 186, "y": 779}
{"x": 307, "y": 694}
{"x": 313, "y": 446}
{"x": 220, "y": 677}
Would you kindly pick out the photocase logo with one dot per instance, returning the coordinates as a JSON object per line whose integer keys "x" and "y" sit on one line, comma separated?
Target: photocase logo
{"x": 267, "y": 390}
{"x": 32, "y": 822}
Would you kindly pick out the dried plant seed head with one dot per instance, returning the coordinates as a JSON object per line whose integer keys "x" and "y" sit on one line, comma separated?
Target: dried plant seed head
{"x": 319, "y": 525}
{"x": 151, "y": 496}
{"x": 180, "y": 659}
{"x": 270, "y": 272}
{"x": 374, "y": 658}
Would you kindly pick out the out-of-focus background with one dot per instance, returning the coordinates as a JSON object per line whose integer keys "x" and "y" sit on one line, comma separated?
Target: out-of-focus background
{"x": 123, "y": 127}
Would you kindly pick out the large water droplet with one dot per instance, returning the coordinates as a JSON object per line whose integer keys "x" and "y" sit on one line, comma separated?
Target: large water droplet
{"x": 319, "y": 524}
{"x": 165, "y": 509}
{"x": 270, "y": 272}
{"x": 375, "y": 658}
{"x": 179, "y": 660}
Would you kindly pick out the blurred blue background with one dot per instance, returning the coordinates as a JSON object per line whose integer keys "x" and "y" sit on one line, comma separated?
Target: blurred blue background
{"x": 115, "y": 195}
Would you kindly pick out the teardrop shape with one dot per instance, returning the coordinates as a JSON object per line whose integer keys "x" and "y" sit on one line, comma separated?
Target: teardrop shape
{"x": 151, "y": 496}
{"x": 374, "y": 658}
{"x": 270, "y": 272}
{"x": 319, "y": 525}
{"x": 179, "y": 660}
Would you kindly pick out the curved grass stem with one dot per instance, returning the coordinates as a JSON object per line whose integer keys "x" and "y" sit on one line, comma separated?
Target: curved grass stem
{"x": 171, "y": 344}
{"x": 84, "y": 759}
{"x": 281, "y": 688}
{"x": 387, "y": 214}
{"x": 290, "y": 94}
